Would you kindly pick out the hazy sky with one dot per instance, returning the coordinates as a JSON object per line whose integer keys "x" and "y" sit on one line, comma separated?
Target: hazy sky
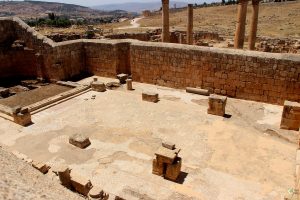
{"x": 99, "y": 2}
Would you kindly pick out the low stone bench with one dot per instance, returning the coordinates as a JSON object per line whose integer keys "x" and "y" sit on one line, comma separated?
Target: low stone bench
{"x": 290, "y": 119}
{"x": 149, "y": 96}
{"x": 216, "y": 105}
{"x": 79, "y": 140}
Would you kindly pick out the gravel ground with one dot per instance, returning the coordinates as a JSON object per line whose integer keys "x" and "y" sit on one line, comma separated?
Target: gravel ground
{"x": 18, "y": 180}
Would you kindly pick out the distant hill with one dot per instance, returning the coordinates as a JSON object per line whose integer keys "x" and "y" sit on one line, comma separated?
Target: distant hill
{"x": 138, "y": 7}
{"x": 33, "y": 9}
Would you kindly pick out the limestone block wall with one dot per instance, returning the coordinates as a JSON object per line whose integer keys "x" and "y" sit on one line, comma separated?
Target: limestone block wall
{"x": 242, "y": 74}
{"x": 107, "y": 57}
{"x": 7, "y": 34}
{"x": 17, "y": 63}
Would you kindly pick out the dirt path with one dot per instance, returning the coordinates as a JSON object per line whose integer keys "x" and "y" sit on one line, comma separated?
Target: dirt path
{"x": 133, "y": 24}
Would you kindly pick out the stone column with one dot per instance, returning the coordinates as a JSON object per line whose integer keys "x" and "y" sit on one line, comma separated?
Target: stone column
{"x": 165, "y": 21}
{"x": 241, "y": 24}
{"x": 253, "y": 26}
{"x": 190, "y": 25}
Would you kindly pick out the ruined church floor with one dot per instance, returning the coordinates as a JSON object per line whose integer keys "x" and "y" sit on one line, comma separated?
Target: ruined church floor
{"x": 242, "y": 157}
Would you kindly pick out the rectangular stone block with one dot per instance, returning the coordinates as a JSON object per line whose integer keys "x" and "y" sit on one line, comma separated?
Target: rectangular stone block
{"x": 216, "y": 105}
{"x": 174, "y": 169}
{"x": 80, "y": 184}
{"x": 42, "y": 167}
{"x": 290, "y": 116}
{"x": 22, "y": 119}
{"x": 149, "y": 96}
{"x": 157, "y": 168}
{"x": 168, "y": 145}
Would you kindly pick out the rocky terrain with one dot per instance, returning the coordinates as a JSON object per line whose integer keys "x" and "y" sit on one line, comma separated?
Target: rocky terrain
{"x": 34, "y": 9}
{"x": 21, "y": 181}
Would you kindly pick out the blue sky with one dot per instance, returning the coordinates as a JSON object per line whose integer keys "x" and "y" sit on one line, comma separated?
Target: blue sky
{"x": 100, "y": 2}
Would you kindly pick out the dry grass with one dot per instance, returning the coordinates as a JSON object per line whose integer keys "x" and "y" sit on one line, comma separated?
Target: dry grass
{"x": 275, "y": 19}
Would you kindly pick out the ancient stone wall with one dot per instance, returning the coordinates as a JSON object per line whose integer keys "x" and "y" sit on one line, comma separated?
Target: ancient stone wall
{"x": 242, "y": 74}
{"x": 17, "y": 63}
{"x": 248, "y": 75}
{"x": 7, "y": 33}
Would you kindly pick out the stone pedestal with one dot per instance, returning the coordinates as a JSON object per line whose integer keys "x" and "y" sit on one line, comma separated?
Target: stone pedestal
{"x": 216, "y": 105}
{"x": 129, "y": 84}
{"x": 241, "y": 24}
{"x": 149, "y": 96}
{"x": 190, "y": 23}
{"x": 253, "y": 26}
{"x": 98, "y": 86}
{"x": 290, "y": 116}
{"x": 165, "y": 21}
{"x": 79, "y": 140}
{"x": 167, "y": 163}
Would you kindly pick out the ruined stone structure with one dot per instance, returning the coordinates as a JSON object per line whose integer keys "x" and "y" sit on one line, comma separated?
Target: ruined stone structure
{"x": 190, "y": 25}
{"x": 167, "y": 163}
{"x": 165, "y": 21}
{"x": 258, "y": 76}
{"x": 216, "y": 105}
{"x": 290, "y": 116}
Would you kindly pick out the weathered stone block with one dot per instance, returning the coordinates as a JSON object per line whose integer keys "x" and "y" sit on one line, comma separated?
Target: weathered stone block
{"x": 157, "y": 168}
{"x": 216, "y": 105}
{"x": 122, "y": 78}
{"x": 98, "y": 86}
{"x": 63, "y": 172}
{"x": 164, "y": 155}
{"x": 290, "y": 116}
{"x": 79, "y": 140}
{"x": 4, "y": 92}
{"x": 149, "y": 96}
{"x": 22, "y": 119}
{"x": 80, "y": 184}
{"x": 168, "y": 145}
{"x": 42, "y": 167}
{"x": 97, "y": 193}
{"x": 174, "y": 169}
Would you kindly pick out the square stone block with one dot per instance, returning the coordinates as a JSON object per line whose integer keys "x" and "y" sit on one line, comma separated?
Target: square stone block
{"x": 290, "y": 116}
{"x": 22, "y": 119}
{"x": 79, "y": 140}
{"x": 42, "y": 167}
{"x": 216, "y": 105}
{"x": 174, "y": 169}
{"x": 164, "y": 155}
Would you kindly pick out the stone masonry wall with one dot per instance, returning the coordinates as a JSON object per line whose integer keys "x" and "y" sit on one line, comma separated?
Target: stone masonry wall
{"x": 236, "y": 73}
{"x": 17, "y": 63}
{"x": 242, "y": 74}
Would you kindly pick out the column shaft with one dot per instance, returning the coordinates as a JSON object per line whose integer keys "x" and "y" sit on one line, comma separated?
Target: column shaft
{"x": 190, "y": 25}
{"x": 241, "y": 24}
{"x": 165, "y": 21}
{"x": 253, "y": 26}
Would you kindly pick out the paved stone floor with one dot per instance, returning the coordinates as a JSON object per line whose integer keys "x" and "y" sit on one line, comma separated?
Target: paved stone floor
{"x": 245, "y": 157}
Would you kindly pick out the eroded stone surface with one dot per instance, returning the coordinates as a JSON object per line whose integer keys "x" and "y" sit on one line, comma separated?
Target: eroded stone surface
{"x": 79, "y": 140}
